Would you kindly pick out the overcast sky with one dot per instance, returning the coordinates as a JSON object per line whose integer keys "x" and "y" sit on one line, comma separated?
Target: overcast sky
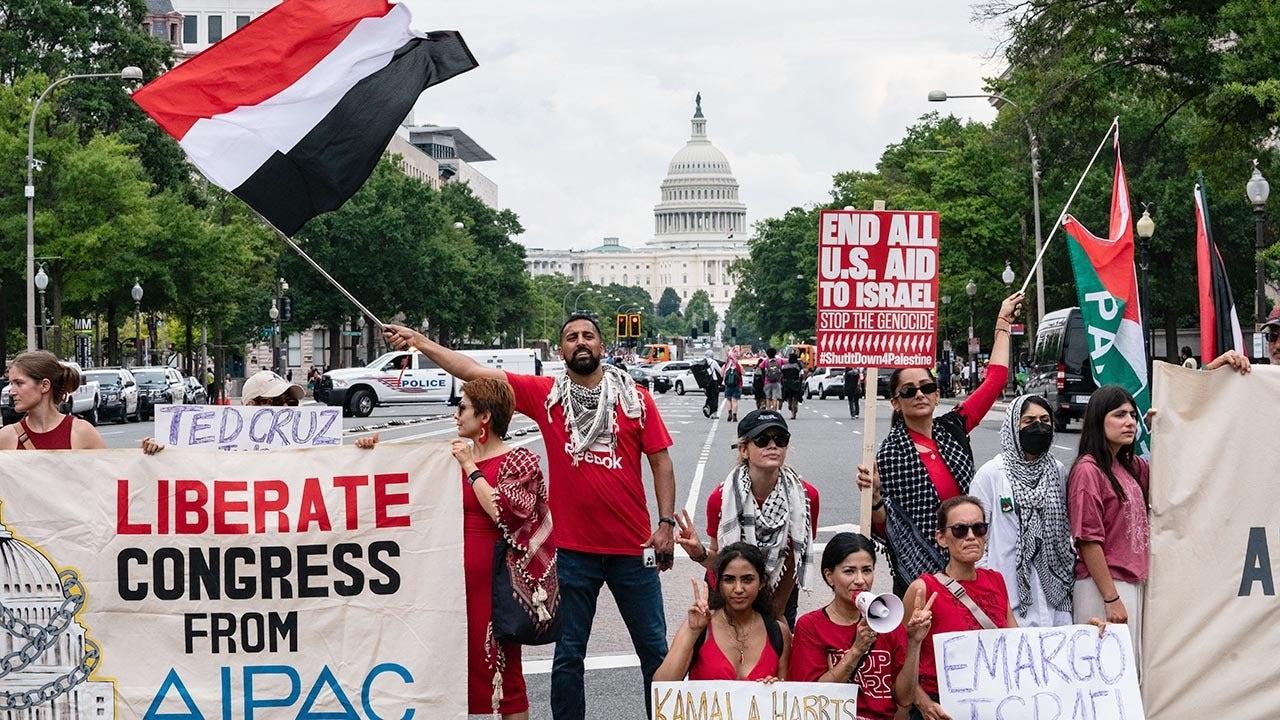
{"x": 584, "y": 103}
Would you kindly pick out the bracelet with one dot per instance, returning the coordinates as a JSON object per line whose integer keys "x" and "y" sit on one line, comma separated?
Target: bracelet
{"x": 1002, "y": 330}
{"x": 474, "y": 476}
{"x": 1108, "y": 602}
{"x": 668, "y": 520}
{"x": 877, "y": 505}
{"x": 705, "y": 554}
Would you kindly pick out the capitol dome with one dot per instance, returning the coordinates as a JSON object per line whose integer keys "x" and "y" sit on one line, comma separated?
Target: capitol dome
{"x": 700, "y": 206}
{"x": 24, "y": 572}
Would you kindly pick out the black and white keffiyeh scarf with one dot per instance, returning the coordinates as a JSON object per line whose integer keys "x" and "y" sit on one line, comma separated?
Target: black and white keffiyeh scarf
{"x": 905, "y": 482}
{"x": 1044, "y": 534}
{"x": 591, "y": 414}
{"x": 781, "y": 523}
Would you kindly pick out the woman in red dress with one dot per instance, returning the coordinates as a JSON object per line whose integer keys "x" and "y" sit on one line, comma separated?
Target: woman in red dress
{"x": 504, "y": 496}
{"x": 38, "y": 383}
{"x": 730, "y": 632}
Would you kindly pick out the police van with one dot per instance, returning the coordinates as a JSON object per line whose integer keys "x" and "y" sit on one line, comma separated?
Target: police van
{"x": 411, "y": 377}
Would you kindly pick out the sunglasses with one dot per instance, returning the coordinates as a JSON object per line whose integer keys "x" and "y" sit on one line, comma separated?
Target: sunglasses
{"x": 960, "y": 531}
{"x": 1273, "y": 335}
{"x": 909, "y": 392}
{"x": 779, "y": 439}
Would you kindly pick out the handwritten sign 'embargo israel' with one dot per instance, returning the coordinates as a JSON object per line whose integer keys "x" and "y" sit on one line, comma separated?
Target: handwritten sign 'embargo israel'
{"x": 1060, "y": 673}
{"x": 725, "y": 700}
{"x": 877, "y": 288}
{"x": 236, "y": 427}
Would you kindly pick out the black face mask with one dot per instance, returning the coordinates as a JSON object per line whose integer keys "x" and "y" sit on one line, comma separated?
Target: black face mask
{"x": 1036, "y": 438}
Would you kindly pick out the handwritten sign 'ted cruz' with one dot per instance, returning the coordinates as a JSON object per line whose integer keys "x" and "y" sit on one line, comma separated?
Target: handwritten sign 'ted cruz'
{"x": 877, "y": 288}
{"x": 748, "y": 700}
{"x": 1057, "y": 673}
{"x": 237, "y": 427}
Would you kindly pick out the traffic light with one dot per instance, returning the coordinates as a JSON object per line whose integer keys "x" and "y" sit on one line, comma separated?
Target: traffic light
{"x": 622, "y": 326}
{"x": 733, "y": 331}
{"x": 706, "y": 327}
{"x": 286, "y": 309}
{"x": 693, "y": 332}
{"x": 633, "y": 325}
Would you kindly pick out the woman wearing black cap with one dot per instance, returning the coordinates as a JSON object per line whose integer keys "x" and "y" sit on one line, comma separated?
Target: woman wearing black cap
{"x": 763, "y": 502}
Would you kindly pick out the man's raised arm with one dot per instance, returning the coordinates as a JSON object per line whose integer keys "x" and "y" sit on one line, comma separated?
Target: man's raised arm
{"x": 463, "y": 367}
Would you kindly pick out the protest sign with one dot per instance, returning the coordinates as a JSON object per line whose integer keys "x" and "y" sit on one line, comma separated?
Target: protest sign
{"x": 205, "y": 586}
{"x": 239, "y": 427}
{"x": 1210, "y": 643}
{"x": 749, "y": 700}
{"x": 877, "y": 289}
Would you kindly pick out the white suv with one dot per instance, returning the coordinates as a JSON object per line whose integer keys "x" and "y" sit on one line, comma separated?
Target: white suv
{"x": 823, "y": 382}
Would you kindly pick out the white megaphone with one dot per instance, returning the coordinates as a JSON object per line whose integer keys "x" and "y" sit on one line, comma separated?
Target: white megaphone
{"x": 882, "y": 612}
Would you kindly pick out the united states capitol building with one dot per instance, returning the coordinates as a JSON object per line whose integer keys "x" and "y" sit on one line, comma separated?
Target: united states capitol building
{"x": 699, "y": 230}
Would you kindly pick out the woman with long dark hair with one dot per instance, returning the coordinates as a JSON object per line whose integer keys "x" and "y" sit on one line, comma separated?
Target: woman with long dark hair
{"x": 925, "y": 460}
{"x": 1030, "y": 539}
{"x": 730, "y": 632}
{"x": 835, "y": 644}
{"x": 1107, "y": 492}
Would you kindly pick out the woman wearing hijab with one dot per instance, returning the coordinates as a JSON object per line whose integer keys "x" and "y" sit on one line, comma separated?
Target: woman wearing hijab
{"x": 1029, "y": 540}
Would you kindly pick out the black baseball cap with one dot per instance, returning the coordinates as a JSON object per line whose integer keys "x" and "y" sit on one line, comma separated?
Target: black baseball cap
{"x": 757, "y": 421}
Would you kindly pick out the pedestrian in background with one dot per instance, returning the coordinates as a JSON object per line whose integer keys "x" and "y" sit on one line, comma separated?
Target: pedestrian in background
{"x": 1188, "y": 360}
{"x": 715, "y": 376}
{"x": 757, "y": 384}
{"x": 924, "y": 460}
{"x": 772, "y": 366}
{"x": 852, "y": 389}
{"x": 1029, "y": 541}
{"x": 732, "y": 385}
{"x": 1271, "y": 333}
{"x": 793, "y": 383}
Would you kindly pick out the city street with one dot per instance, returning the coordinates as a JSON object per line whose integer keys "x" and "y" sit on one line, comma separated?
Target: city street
{"x": 824, "y": 449}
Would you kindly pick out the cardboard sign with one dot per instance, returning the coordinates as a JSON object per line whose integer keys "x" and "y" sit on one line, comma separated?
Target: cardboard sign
{"x": 203, "y": 585}
{"x": 1065, "y": 672}
{"x": 237, "y": 427}
{"x": 877, "y": 289}
{"x": 748, "y": 700}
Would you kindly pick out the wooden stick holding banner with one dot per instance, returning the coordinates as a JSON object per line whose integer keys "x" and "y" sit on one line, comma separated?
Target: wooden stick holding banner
{"x": 877, "y": 301}
{"x": 1115, "y": 123}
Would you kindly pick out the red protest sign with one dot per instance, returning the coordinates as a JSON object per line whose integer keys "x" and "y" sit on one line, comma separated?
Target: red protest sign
{"x": 877, "y": 288}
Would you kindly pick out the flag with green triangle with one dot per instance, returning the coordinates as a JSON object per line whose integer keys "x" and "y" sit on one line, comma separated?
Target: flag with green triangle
{"x": 1107, "y": 287}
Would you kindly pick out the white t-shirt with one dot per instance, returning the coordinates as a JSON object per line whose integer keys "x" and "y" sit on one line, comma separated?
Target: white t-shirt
{"x": 989, "y": 485}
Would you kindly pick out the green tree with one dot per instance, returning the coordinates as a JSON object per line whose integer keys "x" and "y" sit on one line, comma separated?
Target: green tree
{"x": 777, "y": 279}
{"x": 669, "y": 302}
{"x": 699, "y": 313}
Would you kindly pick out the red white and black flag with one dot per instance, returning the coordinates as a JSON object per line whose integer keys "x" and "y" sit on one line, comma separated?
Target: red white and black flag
{"x": 292, "y": 112}
{"x": 1219, "y": 324}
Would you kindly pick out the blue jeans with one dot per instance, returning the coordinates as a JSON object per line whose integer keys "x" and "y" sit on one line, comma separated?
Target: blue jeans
{"x": 638, "y": 593}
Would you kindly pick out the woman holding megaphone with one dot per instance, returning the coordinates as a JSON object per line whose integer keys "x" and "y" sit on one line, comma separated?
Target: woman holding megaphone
{"x": 840, "y": 643}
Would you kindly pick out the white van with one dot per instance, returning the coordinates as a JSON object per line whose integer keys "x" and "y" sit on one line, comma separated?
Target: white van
{"x": 411, "y": 377}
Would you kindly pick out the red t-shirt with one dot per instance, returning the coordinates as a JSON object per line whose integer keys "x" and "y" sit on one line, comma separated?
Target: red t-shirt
{"x": 598, "y": 505}
{"x": 1098, "y": 515}
{"x": 972, "y": 410}
{"x": 950, "y": 615}
{"x": 716, "y": 499}
{"x": 818, "y": 644}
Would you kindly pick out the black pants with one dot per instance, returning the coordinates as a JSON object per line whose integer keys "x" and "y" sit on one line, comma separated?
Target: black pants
{"x": 852, "y": 397}
{"x": 713, "y": 398}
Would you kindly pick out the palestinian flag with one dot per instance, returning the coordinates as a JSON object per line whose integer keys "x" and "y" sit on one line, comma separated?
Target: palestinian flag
{"x": 1107, "y": 286}
{"x": 1219, "y": 324}
{"x": 292, "y": 112}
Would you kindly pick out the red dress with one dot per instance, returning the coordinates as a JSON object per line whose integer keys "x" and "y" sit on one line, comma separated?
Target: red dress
{"x": 712, "y": 664}
{"x": 59, "y": 438}
{"x": 479, "y": 533}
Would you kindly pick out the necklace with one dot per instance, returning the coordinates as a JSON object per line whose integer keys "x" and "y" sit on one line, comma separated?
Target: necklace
{"x": 739, "y": 639}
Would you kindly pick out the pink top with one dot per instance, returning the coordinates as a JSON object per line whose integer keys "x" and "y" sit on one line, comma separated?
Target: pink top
{"x": 711, "y": 663}
{"x": 1098, "y": 515}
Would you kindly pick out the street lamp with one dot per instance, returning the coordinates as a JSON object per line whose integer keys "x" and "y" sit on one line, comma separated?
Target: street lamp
{"x": 970, "y": 289}
{"x": 1258, "y": 190}
{"x": 29, "y": 190}
{"x": 942, "y": 96}
{"x": 136, "y": 292}
{"x": 1146, "y": 227}
{"x": 1008, "y": 277}
{"x": 281, "y": 287}
{"x": 42, "y": 282}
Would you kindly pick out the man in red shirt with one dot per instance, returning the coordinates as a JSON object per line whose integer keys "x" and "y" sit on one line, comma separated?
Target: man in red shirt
{"x": 596, "y": 423}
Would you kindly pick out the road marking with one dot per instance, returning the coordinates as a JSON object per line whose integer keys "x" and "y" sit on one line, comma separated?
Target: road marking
{"x": 842, "y": 527}
{"x": 691, "y": 504}
{"x": 111, "y": 432}
{"x": 1063, "y": 447}
{"x": 599, "y": 662}
{"x": 839, "y": 423}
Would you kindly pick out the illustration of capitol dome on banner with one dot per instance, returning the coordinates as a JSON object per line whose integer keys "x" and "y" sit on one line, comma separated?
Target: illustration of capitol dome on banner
{"x": 35, "y": 600}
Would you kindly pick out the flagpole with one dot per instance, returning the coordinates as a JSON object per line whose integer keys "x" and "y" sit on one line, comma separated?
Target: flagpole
{"x": 1115, "y": 123}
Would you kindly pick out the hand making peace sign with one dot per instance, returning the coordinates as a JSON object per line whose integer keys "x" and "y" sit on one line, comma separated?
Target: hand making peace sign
{"x": 921, "y": 618}
{"x": 699, "y": 611}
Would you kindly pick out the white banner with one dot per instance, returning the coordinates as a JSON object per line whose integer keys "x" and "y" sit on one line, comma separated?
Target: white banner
{"x": 750, "y": 700}
{"x": 191, "y": 585}
{"x": 258, "y": 427}
{"x": 1059, "y": 672}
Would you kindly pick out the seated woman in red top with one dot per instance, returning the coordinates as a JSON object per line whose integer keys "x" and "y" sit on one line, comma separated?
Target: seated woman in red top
{"x": 730, "y": 632}
{"x": 834, "y": 644}
{"x": 925, "y": 460}
{"x": 962, "y": 532}
{"x": 38, "y": 383}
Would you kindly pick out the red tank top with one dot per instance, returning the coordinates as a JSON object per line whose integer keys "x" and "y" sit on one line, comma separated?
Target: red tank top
{"x": 59, "y": 438}
{"x": 712, "y": 664}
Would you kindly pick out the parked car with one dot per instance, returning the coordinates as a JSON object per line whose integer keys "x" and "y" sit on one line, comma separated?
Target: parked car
{"x": 411, "y": 377}
{"x": 158, "y": 386}
{"x": 654, "y": 382}
{"x": 825, "y": 382}
{"x": 194, "y": 392}
{"x": 119, "y": 393}
{"x": 677, "y": 371}
{"x": 1060, "y": 371}
{"x": 83, "y": 401}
